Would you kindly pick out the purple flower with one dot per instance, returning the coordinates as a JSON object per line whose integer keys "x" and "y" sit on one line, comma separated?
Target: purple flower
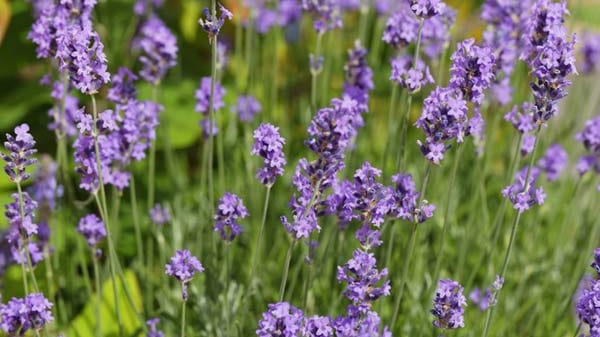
{"x": 203, "y": 104}
{"x": 268, "y": 144}
{"x": 359, "y": 76}
{"x": 427, "y": 8}
{"x": 280, "y": 320}
{"x": 159, "y": 49}
{"x": 183, "y": 266}
{"x": 443, "y": 118}
{"x": 230, "y": 208}
{"x": 448, "y": 305}
{"x": 247, "y": 108}
{"x": 483, "y": 302}
{"x": 362, "y": 278}
{"x": 317, "y": 326}
{"x": 588, "y": 307}
{"x": 405, "y": 200}
{"x": 154, "y": 332}
{"x": 326, "y": 14}
{"x": 20, "y": 153}
{"x": 23, "y": 225}
{"x": 401, "y": 29}
{"x": 92, "y": 229}
{"x": 435, "y": 36}
{"x": 524, "y": 194}
{"x": 63, "y": 120}
{"x": 553, "y": 162}
{"x": 356, "y": 323}
{"x": 590, "y": 50}
{"x": 212, "y": 24}
{"x": 160, "y": 215}
{"x": 590, "y": 138}
{"x": 546, "y": 23}
{"x": 123, "y": 87}
{"x": 20, "y": 315}
{"x": 146, "y": 7}
{"x": 472, "y": 70}
{"x": 45, "y": 189}
{"x": 523, "y": 122}
{"x": 222, "y": 49}
{"x": 409, "y": 76}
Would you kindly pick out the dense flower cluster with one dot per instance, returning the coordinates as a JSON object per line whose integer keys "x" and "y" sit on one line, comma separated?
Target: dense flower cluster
{"x": 504, "y": 33}
{"x": 203, "y": 96}
{"x": 472, "y": 70}
{"x": 280, "y": 320}
{"x": 160, "y": 215}
{"x": 230, "y": 208}
{"x": 588, "y": 307}
{"x": 212, "y": 24}
{"x": 45, "y": 190}
{"x": 443, "y": 118}
{"x": 554, "y": 161}
{"x": 326, "y": 14}
{"x": 92, "y": 229}
{"x": 406, "y": 200}
{"x": 358, "y": 75}
{"x": 159, "y": 49}
{"x": 590, "y": 138}
{"x": 268, "y": 144}
{"x": 448, "y": 305}
{"x": 523, "y": 192}
{"x": 362, "y": 278}
{"x": 20, "y": 315}
{"x": 64, "y": 110}
{"x": 410, "y": 76}
{"x": 246, "y": 108}
{"x": 23, "y": 230}
{"x": 183, "y": 266}
{"x": 427, "y": 8}
{"x": 20, "y": 153}
{"x": 401, "y": 29}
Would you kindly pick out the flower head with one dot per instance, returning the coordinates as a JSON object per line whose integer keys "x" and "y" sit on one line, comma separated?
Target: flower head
{"x": 20, "y": 315}
{"x": 472, "y": 70}
{"x": 183, "y": 266}
{"x": 588, "y": 307}
{"x": 448, "y": 305}
{"x": 553, "y": 162}
{"x": 409, "y": 76}
{"x": 230, "y": 208}
{"x": 326, "y": 14}
{"x": 401, "y": 29}
{"x": 590, "y": 51}
{"x": 247, "y": 108}
{"x": 212, "y": 24}
{"x": 154, "y": 332}
{"x": 268, "y": 144}
{"x": 20, "y": 153}
{"x": 280, "y": 320}
{"x": 159, "y": 49}
{"x": 317, "y": 326}
{"x": 523, "y": 193}
{"x": 160, "y": 215}
{"x": 590, "y": 138}
{"x": 359, "y": 76}
{"x": 427, "y": 8}
{"x": 92, "y": 228}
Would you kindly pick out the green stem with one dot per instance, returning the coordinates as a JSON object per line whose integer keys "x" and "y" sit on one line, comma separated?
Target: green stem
{"x": 211, "y": 109}
{"x": 286, "y": 269}
{"x": 315, "y": 74}
{"x": 98, "y": 295}
{"x": 25, "y": 240}
{"x": 152, "y": 160}
{"x": 391, "y": 126}
{"x": 183, "y": 318}
{"x": 513, "y": 232}
{"x": 258, "y": 248}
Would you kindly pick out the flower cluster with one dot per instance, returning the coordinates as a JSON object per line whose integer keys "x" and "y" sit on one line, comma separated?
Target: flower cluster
{"x": 268, "y": 144}
{"x": 160, "y": 215}
{"x": 159, "y": 49}
{"x": 472, "y": 70}
{"x": 63, "y": 118}
{"x": 246, "y": 108}
{"x": 203, "y": 97}
{"x": 358, "y": 75}
{"x": 153, "y": 330}
{"x": 448, "y": 305}
{"x": 20, "y": 154}
{"x": 588, "y": 307}
{"x": 281, "y": 319}
{"x": 286, "y": 13}
{"x": 590, "y": 138}
{"x": 406, "y": 200}
{"x": 554, "y": 161}
{"x": 443, "y": 118}
{"x": 408, "y": 75}
{"x": 362, "y": 278}
{"x": 92, "y": 229}
{"x": 230, "y": 208}
{"x": 523, "y": 192}
{"x": 23, "y": 229}
{"x": 488, "y": 298}
{"x": 212, "y": 24}
{"x": 427, "y": 8}
{"x": 183, "y": 266}
{"x": 523, "y": 122}
{"x": 401, "y": 29}
{"x": 20, "y": 315}
{"x": 146, "y": 7}
{"x": 590, "y": 50}
{"x": 326, "y": 14}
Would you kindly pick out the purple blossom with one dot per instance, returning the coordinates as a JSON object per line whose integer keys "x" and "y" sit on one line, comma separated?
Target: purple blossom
{"x": 596, "y": 263}
{"x": 472, "y": 70}
{"x": 435, "y": 35}
{"x": 247, "y": 108}
{"x": 448, "y": 305}
{"x": 443, "y": 118}
{"x": 358, "y": 75}
{"x": 406, "y": 200}
{"x": 203, "y": 94}
{"x": 268, "y": 144}
{"x": 160, "y": 215}
{"x": 401, "y": 29}
{"x": 289, "y": 11}
{"x": 183, "y": 266}
{"x": 45, "y": 189}
{"x": 326, "y": 14}
{"x": 356, "y": 323}
{"x": 481, "y": 300}
{"x": 590, "y": 138}
{"x": 590, "y": 52}
{"x": 22, "y": 225}
{"x": 427, "y": 8}
{"x": 317, "y": 326}
{"x": 409, "y": 76}
{"x": 20, "y": 315}
{"x": 64, "y": 109}
{"x": 92, "y": 229}
{"x": 159, "y": 49}
{"x": 554, "y": 162}
{"x": 212, "y": 24}
{"x": 280, "y": 320}
{"x": 153, "y": 330}
{"x": 146, "y": 7}
{"x": 522, "y": 121}
{"x": 123, "y": 87}
{"x": 588, "y": 307}
{"x": 545, "y": 24}
{"x": 524, "y": 194}
{"x": 362, "y": 278}
{"x": 230, "y": 208}
{"x": 20, "y": 149}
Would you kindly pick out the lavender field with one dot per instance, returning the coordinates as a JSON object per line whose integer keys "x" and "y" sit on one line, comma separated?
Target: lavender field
{"x": 300, "y": 168}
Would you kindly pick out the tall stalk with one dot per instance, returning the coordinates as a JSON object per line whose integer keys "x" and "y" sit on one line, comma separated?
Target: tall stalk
{"x": 258, "y": 248}
{"x": 152, "y": 160}
{"x": 98, "y": 295}
{"x": 211, "y": 110}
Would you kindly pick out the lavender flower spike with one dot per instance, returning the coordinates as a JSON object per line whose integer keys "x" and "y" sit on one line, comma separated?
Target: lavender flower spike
{"x": 268, "y": 144}
{"x": 212, "y": 24}
{"x": 230, "y": 208}
{"x": 20, "y": 315}
{"x": 160, "y": 215}
{"x": 92, "y": 228}
{"x": 326, "y": 14}
{"x": 247, "y": 108}
{"x": 159, "y": 50}
{"x": 183, "y": 267}
{"x": 472, "y": 70}
{"x": 280, "y": 320}
{"x": 427, "y": 8}
{"x": 21, "y": 150}
{"x": 409, "y": 76}
{"x": 448, "y": 305}
{"x": 590, "y": 138}
{"x": 554, "y": 161}
{"x": 521, "y": 196}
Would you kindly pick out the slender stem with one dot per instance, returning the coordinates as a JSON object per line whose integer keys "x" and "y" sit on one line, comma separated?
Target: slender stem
{"x": 98, "y": 295}
{"x": 258, "y": 248}
{"x": 315, "y": 74}
{"x": 363, "y": 20}
{"x": 211, "y": 109}
{"x": 513, "y": 232}
{"x": 136, "y": 220}
{"x": 183, "y": 318}
{"x": 152, "y": 160}
{"x": 286, "y": 269}
{"x": 391, "y": 125}
{"x": 25, "y": 240}
{"x": 578, "y": 329}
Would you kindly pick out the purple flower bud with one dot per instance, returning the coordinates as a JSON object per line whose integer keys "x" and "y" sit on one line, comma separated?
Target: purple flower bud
{"x": 401, "y": 29}
{"x": 20, "y": 153}
{"x": 20, "y": 315}
{"x": 154, "y": 332}
{"x": 521, "y": 196}
{"x": 268, "y": 144}
{"x": 212, "y": 24}
{"x": 183, "y": 267}
{"x": 472, "y": 70}
{"x": 230, "y": 208}
{"x": 247, "y": 108}
{"x": 359, "y": 76}
{"x": 160, "y": 215}
{"x": 280, "y": 320}
{"x": 448, "y": 305}
{"x": 427, "y": 8}
{"x": 326, "y": 14}
{"x": 159, "y": 49}
{"x": 92, "y": 229}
